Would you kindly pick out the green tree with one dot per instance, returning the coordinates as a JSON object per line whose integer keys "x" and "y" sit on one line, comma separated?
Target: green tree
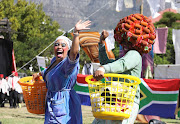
{"x": 32, "y": 29}
{"x": 170, "y": 20}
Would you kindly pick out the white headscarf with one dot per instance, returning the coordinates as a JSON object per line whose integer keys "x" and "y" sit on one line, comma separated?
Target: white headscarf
{"x": 68, "y": 41}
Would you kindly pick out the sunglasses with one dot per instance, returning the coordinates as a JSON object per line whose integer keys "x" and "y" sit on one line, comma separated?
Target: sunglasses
{"x": 62, "y": 44}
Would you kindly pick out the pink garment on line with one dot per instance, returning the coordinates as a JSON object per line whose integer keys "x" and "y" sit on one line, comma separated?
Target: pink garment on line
{"x": 160, "y": 41}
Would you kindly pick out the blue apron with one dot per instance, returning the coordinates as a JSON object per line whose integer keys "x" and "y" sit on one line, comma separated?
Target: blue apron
{"x": 63, "y": 105}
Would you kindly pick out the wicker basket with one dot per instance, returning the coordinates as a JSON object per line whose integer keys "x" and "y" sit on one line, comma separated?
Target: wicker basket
{"x": 89, "y": 43}
{"x": 34, "y": 94}
{"x": 112, "y": 98}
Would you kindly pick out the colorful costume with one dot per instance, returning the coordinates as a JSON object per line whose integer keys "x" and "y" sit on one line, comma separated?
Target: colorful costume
{"x": 135, "y": 31}
{"x": 136, "y": 34}
{"x": 63, "y": 105}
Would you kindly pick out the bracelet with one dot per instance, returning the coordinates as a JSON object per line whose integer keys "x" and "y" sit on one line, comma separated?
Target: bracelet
{"x": 76, "y": 34}
{"x": 101, "y": 69}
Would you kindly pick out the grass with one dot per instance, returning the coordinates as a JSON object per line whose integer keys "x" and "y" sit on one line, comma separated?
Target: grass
{"x": 22, "y": 116}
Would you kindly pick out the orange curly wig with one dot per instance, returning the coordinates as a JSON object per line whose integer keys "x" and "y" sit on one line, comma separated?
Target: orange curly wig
{"x": 135, "y": 31}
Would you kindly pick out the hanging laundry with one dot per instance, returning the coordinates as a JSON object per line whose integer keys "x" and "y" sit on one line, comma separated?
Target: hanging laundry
{"x": 128, "y": 3}
{"x": 168, "y": 1}
{"x": 154, "y": 7}
{"x": 41, "y": 62}
{"x": 147, "y": 59}
{"x": 119, "y": 5}
{"x": 176, "y": 43}
{"x": 161, "y": 41}
{"x": 148, "y": 72}
{"x": 174, "y": 5}
{"x": 162, "y": 4}
{"x": 87, "y": 69}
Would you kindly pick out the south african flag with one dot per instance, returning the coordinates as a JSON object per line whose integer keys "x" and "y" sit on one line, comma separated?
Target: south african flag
{"x": 82, "y": 89}
{"x": 158, "y": 97}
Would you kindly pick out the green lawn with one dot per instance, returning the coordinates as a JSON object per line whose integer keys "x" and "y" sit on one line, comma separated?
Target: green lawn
{"x": 22, "y": 116}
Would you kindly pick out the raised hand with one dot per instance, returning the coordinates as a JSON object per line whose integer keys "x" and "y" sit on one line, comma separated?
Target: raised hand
{"x": 82, "y": 25}
{"x": 104, "y": 35}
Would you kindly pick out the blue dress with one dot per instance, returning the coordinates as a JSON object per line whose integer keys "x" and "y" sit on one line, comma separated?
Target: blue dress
{"x": 63, "y": 105}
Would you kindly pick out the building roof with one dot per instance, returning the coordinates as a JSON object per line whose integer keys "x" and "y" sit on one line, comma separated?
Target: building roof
{"x": 161, "y": 13}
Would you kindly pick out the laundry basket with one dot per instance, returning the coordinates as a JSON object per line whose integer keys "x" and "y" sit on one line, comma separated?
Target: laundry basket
{"x": 112, "y": 98}
{"x": 34, "y": 94}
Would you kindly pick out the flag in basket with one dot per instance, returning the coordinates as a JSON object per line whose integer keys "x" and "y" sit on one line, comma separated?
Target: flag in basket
{"x": 82, "y": 89}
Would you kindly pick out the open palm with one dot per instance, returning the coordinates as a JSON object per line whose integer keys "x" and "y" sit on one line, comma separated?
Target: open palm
{"x": 82, "y": 25}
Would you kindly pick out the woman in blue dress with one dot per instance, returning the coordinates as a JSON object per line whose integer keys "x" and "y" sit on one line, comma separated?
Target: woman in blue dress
{"x": 63, "y": 105}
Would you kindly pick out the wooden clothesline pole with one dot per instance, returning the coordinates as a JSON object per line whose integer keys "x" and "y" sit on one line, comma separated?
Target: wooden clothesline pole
{"x": 141, "y": 10}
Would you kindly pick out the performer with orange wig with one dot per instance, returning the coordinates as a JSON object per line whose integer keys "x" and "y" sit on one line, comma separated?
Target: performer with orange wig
{"x": 136, "y": 34}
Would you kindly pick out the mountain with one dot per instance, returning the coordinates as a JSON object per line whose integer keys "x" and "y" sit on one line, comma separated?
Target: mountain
{"x": 102, "y": 13}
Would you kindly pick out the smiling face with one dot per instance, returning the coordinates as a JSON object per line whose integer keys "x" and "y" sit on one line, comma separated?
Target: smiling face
{"x": 60, "y": 49}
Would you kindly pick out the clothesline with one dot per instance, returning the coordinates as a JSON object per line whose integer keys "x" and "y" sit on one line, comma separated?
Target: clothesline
{"x": 62, "y": 35}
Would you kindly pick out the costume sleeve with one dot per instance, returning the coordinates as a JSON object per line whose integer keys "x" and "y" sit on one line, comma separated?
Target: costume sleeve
{"x": 131, "y": 59}
{"x": 103, "y": 58}
{"x": 69, "y": 65}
